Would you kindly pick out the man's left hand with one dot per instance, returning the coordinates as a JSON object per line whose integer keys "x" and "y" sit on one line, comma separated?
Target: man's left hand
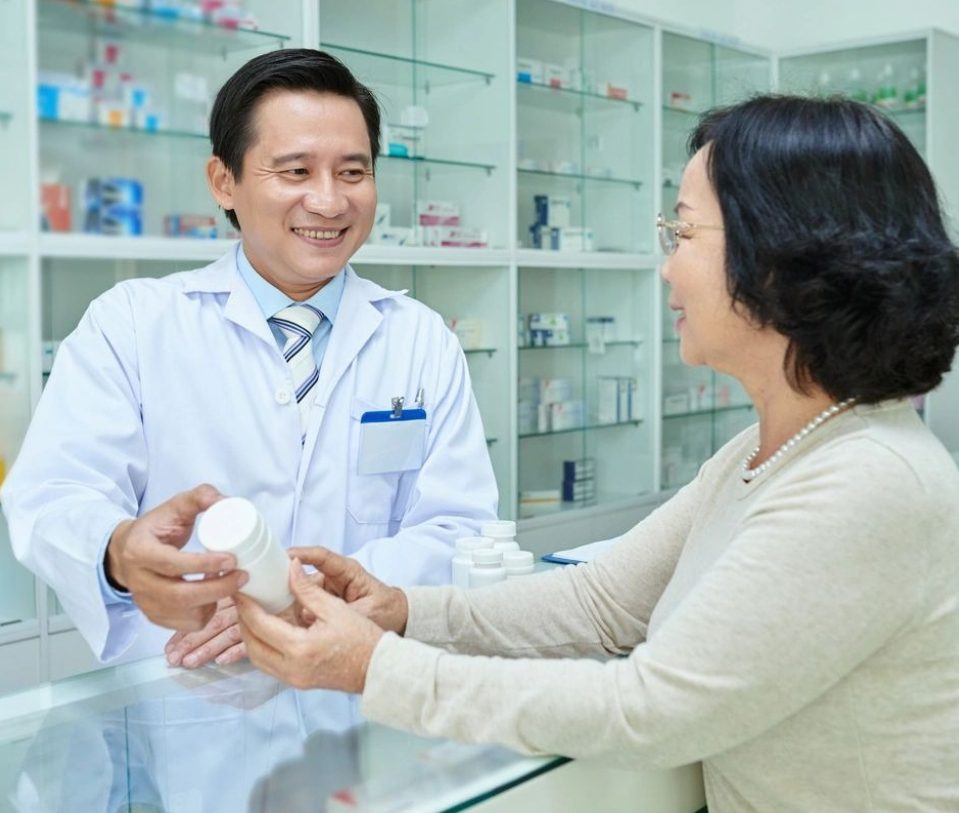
{"x": 219, "y": 640}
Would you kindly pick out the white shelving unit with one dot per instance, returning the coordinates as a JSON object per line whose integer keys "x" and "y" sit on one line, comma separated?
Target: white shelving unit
{"x": 608, "y": 139}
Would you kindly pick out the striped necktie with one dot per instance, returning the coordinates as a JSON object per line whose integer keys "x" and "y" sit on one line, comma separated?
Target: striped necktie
{"x": 299, "y": 323}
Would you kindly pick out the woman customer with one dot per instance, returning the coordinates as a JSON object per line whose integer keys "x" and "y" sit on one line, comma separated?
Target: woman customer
{"x": 791, "y": 617}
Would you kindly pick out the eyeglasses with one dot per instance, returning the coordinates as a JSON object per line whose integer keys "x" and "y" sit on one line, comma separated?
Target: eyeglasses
{"x": 670, "y": 231}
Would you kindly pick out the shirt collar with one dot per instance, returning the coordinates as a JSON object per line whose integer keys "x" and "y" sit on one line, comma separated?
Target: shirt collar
{"x": 270, "y": 299}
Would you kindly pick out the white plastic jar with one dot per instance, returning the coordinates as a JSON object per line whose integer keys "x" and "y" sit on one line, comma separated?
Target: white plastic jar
{"x": 463, "y": 558}
{"x": 487, "y": 567}
{"x": 518, "y": 563}
{"x": 499, "y": 530}
{"x": 233, "y": 525}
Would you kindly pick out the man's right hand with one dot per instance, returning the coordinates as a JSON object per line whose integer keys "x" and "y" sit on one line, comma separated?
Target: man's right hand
{"x": 144, "y": 557}
{"x": 367, "y": 595}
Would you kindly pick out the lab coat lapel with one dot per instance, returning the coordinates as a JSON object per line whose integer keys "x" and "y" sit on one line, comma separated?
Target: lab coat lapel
{"x": 356, "y": 320}
{"x": 241, "y": 307}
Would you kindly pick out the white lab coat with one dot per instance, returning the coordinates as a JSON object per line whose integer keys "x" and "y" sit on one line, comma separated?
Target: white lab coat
{"x": 172, "y": 382}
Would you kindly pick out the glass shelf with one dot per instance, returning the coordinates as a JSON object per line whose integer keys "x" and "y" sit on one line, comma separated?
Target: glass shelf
{"x": 5, "y": 118}
{"x": 127, "y": 131}
{"x": 574, "y": 177}
{"x": 580, "y": 429}
{"x": 553, "y": 98}
{"x": 380, "y": 68}
{"x": 695, "y": 413}
{"x": 491, "y": 441}
{"x": 441, "y": 162}
{"x": 903, "y": 112}
{"x": 91, "y": 18}
{"x": 582, "y": 345}
{"x": 683, "y": 111}
{"x": 477, "y": 350}
{"x": 531, "y": 511}
{"x": 563, "y": 506}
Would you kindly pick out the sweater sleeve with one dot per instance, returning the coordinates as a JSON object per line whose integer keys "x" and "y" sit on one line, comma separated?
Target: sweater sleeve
{"x": 815, "y": 581}
{"x": 606, "y": 603}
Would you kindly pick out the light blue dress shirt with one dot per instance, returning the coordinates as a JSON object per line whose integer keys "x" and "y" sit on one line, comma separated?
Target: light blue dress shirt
{"x": 270, "y": 300}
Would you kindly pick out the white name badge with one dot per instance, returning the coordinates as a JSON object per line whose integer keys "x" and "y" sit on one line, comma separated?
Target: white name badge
{"x": 391, "y": 442}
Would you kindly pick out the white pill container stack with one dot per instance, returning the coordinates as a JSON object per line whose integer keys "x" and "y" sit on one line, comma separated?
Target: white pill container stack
{"x": 463, "y": 559}
{"x": 502, "y": 532}
{"x": 487, "y": 567}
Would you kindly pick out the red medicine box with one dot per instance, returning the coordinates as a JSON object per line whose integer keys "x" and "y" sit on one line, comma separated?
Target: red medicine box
{"x": 55, "y": 205}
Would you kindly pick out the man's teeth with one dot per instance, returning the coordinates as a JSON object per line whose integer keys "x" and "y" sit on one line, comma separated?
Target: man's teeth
{"x": 315, "y": 234}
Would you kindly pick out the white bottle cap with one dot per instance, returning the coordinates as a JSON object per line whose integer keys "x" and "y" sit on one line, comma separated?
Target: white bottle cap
{"x": 465, "y": 544}
{"x": 517, "y": 559}
{"x": 487, "y": 556}
{"x": 499, "y": 529}
{"x": 232, "y": 525}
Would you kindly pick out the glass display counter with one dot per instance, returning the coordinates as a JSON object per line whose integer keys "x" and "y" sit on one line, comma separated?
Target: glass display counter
{"x": 145, "y": 737}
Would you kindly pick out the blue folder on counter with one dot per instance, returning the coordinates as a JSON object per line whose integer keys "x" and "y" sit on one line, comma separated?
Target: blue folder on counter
{"x": 584, "y": 553}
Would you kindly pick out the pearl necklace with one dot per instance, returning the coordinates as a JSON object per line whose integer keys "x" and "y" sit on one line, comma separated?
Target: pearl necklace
{"x": 749, "y": 474}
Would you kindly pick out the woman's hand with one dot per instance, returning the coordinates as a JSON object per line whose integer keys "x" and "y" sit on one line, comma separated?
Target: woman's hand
{"x": 332, "y": 651}
{"x": 347, "y": 579}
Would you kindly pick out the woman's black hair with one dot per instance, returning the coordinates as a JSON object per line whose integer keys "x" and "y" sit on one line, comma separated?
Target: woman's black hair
{"x": 835, "y": 238}
{"x": 231, "y": 120}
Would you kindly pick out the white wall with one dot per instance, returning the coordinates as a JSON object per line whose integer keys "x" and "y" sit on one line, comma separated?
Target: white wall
{"x": 799, "y": 23}
{"x": 814, "y": 22}
{"x": 721, "y": 19}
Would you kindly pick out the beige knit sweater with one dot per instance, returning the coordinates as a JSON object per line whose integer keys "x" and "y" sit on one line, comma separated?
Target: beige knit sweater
{"x": 799, "y": 634}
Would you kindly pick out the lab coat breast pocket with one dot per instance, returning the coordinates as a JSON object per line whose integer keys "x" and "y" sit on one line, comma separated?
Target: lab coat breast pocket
{"x": 382, "y": 466}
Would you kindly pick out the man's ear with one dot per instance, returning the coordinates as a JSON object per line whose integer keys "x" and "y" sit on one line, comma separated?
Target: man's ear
{"x": 221, "y": 182}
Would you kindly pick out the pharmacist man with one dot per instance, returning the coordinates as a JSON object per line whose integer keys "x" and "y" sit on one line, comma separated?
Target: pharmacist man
{"x": 174, "y": 382}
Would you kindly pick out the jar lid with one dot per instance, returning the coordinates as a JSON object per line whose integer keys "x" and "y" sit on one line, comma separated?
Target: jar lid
{"x": 487, "y": 556}
{"x": 518, "y": 558}
{"x": 499, "y": 529}
{"x": 467, "y": 543}
{"x": 232, "y": 525}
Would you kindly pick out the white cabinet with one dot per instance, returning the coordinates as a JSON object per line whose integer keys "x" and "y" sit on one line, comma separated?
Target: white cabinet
{"x": 528, "y": 147}
{"x": 444, "y": 95}
{"x": 585, "y": 396}
{"x": 18, "y": 605}
{"x": 584, "y": 117}
{"x": 17, "y": 592}
{"x": 585, "y": 181}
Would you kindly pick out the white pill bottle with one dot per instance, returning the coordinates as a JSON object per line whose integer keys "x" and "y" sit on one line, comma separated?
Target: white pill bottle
{"x": 463, "y": 560}
{"x": 233, "y": 525}
{"x": 518, "y": 563}
{"x": 487, "y": 567}
{"x": 503, "y": 534}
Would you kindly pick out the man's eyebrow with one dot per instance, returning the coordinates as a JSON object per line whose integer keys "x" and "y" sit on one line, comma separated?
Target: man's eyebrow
{"x": 287, "y": 158}
{"x": 293, "y": 157}
{"x": 360, "y": 157}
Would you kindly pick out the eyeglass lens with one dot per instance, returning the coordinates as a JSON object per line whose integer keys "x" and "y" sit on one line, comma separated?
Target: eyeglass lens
{"x": 667, "y": 238}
